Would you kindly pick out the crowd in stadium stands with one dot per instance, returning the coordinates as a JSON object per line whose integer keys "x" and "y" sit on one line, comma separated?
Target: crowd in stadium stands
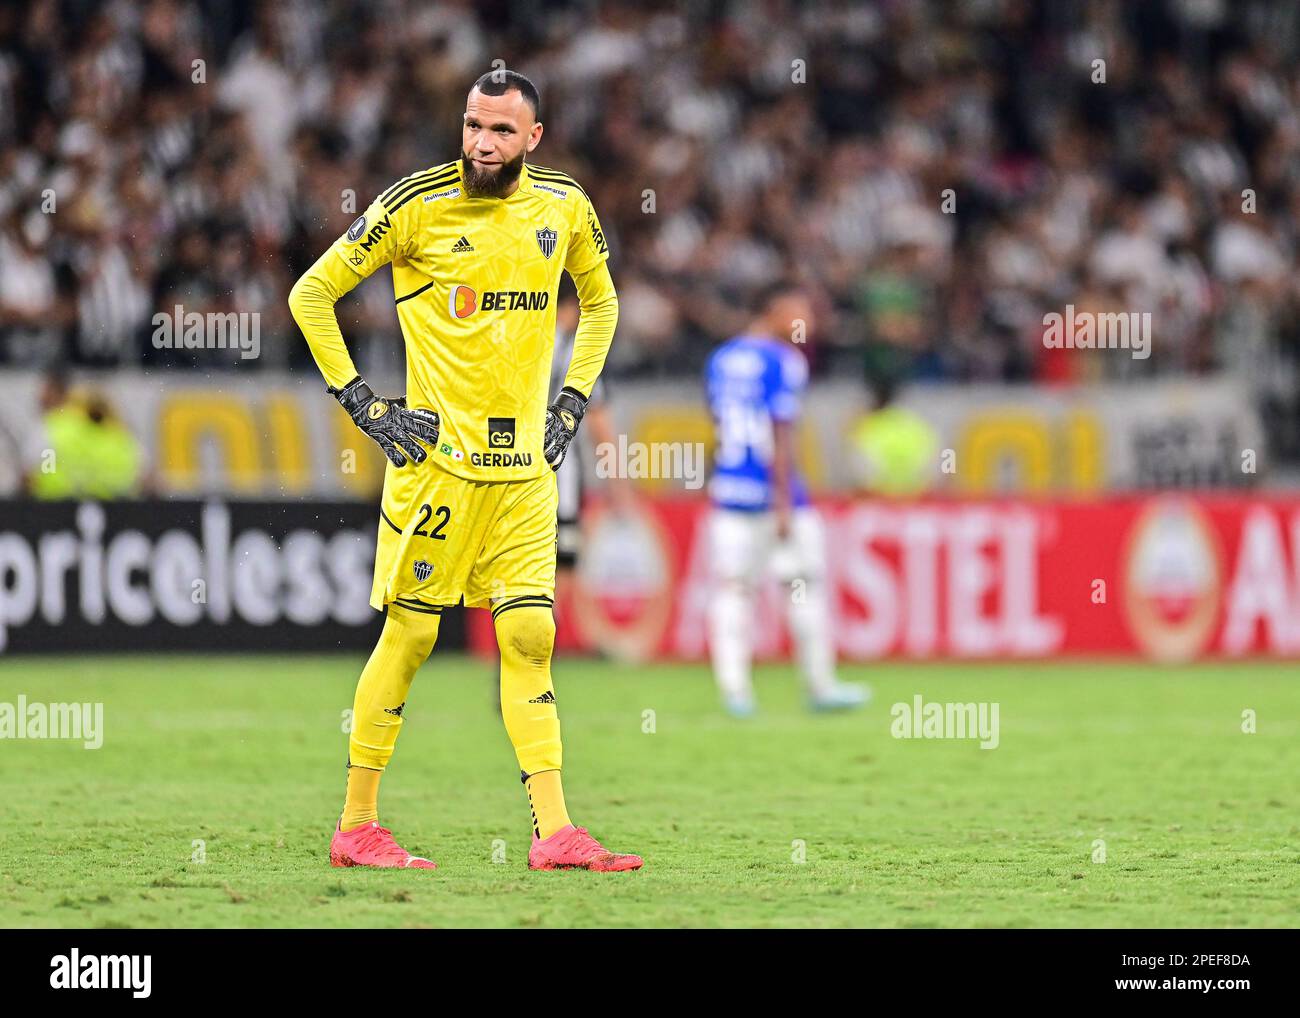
{"x": 945, "y": 174}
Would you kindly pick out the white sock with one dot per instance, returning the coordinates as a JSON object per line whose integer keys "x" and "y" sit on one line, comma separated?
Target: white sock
{"x": 810, "y": 627}
{"x": 731, "y": 613}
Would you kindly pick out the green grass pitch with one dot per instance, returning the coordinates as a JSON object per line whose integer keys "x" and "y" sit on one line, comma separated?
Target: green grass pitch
{"x": 1199, "y": 820}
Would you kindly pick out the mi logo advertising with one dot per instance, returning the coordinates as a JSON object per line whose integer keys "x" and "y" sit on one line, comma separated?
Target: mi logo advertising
{"x": 358, "y": 228}
{"x": 597, "y": 234}
{"x": 373, "y": 237}
{"x": 463, "y": 301}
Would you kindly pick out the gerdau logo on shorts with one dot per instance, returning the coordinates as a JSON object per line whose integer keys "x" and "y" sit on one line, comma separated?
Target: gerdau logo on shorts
{"x": 501, "y": 459}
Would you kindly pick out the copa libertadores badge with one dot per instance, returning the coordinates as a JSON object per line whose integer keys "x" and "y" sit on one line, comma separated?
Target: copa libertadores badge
{"x": 423, "y": 570}
{"x": 546, "y": 240}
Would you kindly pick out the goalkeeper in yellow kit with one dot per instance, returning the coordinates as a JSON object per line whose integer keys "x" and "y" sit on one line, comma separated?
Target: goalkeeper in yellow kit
{"x": 469, "y": 504}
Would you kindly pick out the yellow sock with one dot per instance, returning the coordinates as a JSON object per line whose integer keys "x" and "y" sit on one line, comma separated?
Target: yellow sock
{"x": 362, "y": 803}
{"x": 403, "y": 646}
{"x": 546, "y": 797}
{"x": 526, "y": 636}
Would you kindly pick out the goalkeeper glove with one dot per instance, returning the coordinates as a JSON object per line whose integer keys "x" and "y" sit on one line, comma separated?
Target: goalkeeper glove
{"x": 389, "y": 421}
{"x": 562, "y": 420}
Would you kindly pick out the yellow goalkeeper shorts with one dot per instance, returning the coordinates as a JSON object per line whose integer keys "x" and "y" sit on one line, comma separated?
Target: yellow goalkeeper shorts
{"x": 444, "y": 538}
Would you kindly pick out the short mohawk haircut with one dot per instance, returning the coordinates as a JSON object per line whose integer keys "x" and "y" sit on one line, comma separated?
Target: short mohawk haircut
{"x": 501, "y": 81}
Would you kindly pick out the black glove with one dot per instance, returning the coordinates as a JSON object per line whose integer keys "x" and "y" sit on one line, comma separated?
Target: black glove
{"x": 389, "y": 422}
{"x": 562, "y": 420}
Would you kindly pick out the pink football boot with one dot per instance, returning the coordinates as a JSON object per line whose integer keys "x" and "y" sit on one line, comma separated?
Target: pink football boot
{"x": 573, "y": 848}
{"x": 372, "y": 845}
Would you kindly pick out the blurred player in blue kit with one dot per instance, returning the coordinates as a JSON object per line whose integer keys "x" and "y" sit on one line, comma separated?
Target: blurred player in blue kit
{"x": 762, "y": 523}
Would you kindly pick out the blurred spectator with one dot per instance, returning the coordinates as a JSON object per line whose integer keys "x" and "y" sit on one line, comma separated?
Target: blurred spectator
{"x": 87, "y": 452}
{"x": 896, "y": 449}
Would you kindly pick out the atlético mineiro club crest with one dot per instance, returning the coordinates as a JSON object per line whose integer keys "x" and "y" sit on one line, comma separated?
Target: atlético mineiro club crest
{"x": 546, "y": 240}
{"x": 423, "y": 570}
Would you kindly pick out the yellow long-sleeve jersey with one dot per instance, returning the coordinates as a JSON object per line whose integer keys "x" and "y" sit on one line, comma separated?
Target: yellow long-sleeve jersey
{"x": 475, "y": 283}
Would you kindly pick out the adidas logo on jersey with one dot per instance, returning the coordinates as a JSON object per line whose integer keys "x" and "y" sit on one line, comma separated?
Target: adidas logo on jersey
{"x": 461, "y": 245}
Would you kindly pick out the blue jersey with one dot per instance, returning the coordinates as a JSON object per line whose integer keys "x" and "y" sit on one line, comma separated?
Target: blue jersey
{"x": 753, "y": 382}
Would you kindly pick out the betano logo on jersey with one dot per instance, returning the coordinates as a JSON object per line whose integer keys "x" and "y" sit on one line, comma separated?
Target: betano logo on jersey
{"x": 463, "y": 301}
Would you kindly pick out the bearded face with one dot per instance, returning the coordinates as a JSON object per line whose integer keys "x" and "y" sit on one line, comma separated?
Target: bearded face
{"x": 498, "y": 133}
{"x": 486, "y": 180}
